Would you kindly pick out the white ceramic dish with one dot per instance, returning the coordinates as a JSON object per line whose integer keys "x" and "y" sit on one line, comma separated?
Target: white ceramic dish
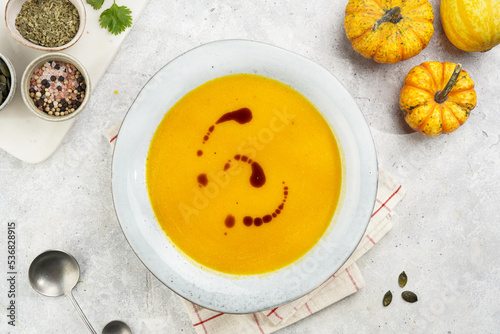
{"x": 37, "y": 63}
{"x": 13, "y": 8}
{"x": 222, "y": 292}
{"x": 13, "y": 79}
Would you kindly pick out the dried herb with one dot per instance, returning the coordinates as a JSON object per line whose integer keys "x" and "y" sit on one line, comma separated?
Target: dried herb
{"x": 409, "y": 296}
{"x": 49, "y": 23}
{"x": 387, "y": 298}
{"x": 403, "y": 279}
{"x": 5, "y": 81}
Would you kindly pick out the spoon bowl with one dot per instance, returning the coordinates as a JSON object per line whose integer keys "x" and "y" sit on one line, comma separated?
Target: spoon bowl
{"x": 54, "y": 273}
{"x": 116, "y": 327}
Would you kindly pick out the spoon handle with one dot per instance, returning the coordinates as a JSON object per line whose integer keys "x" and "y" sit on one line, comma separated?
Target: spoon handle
{"x": 80, "y": 312}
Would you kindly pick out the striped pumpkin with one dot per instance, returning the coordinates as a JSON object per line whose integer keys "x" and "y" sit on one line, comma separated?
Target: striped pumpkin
{"x": 471, "y": 25}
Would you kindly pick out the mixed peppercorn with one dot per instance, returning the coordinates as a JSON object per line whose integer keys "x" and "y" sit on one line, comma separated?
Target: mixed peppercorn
{"x": 57, "y": 88}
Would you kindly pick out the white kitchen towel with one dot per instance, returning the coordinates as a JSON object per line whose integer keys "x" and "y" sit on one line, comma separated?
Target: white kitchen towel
{"x": 346, "y": 281}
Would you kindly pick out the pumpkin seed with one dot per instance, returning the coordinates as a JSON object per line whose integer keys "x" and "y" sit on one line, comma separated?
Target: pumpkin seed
{"x": 409, "y": 296}
{"x": 387, "y": 298}
{"x": 4, "y": 69}
{"x": 403, "y": 279}
{"x": 4, "y": 81}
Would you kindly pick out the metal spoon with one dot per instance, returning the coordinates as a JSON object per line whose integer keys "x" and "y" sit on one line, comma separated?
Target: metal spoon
{"x": 55, "y": 273}
{"x": 116, "y": 327}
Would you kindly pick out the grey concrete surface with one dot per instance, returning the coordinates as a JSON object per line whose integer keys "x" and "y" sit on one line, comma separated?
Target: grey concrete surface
{"x": 445, "y": 233}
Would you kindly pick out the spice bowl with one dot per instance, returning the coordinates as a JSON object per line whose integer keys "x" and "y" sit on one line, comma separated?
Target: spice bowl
{"x": 7, "y": 81}
{"x": 40, "y": 30}
{"x": 55, "y": 87}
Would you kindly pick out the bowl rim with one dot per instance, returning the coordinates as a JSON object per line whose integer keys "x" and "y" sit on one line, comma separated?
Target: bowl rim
{"x": 230, "y": 303}
{"x": 25, "y": 81}
{"x": 11, "y": 28}
{"x": 13, "y": 77}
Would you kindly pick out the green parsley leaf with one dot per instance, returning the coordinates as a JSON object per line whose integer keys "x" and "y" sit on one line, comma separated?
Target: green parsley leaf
{"x": 116, "y": 19}
{"x": 96, "y": 4}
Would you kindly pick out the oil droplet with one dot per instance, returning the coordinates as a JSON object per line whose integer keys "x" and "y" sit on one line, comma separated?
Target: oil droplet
{"x": 202, "y": 180}
{"x": 248, "y": 221}
{"x": 230, "y": 221}
{"x": 258, "y": 178}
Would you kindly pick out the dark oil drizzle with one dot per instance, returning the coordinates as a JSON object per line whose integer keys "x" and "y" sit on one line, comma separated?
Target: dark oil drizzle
{"x": 257, "y": 178}
{"x": 240, "y": 116}
{"x": 249, "y": 220}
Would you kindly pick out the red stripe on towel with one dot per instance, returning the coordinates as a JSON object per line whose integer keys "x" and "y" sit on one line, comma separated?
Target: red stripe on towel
{"x": 258, "y": 325}
{"x": 199, "y": 318}
{"x": 373, "y": 242}
{"x": 352, "y": 280}
{"x": 272, "y": 311}
{"x": 206, "y": 320}
{"x": 383, "y": 205}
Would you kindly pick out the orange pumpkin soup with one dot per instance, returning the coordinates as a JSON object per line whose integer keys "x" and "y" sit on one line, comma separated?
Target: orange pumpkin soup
{"x": 244, "y": 174}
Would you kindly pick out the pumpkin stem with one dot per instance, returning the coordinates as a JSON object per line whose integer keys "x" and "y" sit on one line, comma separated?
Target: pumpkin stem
{"x": 392, "y": 15}
{"x": 442, "y": 95}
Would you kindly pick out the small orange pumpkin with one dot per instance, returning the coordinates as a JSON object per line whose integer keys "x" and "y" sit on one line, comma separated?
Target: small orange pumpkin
{"x": 437, "y": 97}
{"x": 389, "y": 31}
